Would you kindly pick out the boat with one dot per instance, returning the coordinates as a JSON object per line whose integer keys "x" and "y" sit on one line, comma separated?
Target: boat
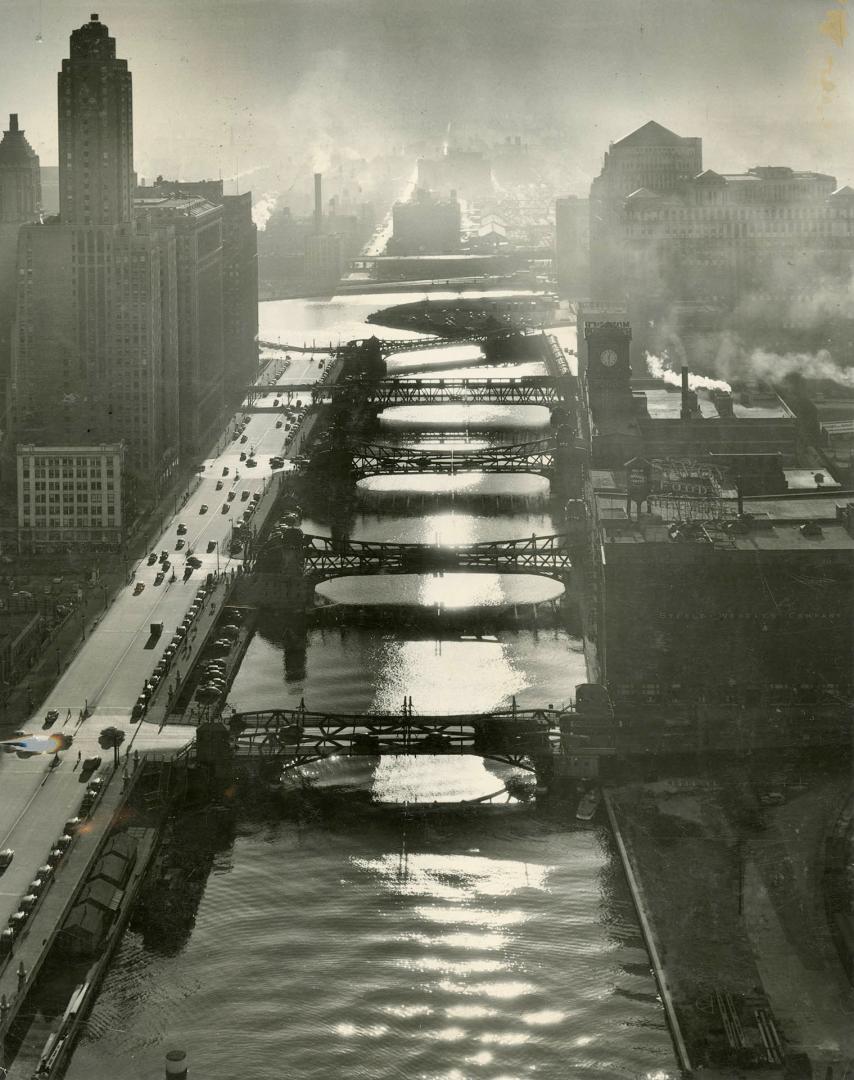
{"x": 588, "y": 805}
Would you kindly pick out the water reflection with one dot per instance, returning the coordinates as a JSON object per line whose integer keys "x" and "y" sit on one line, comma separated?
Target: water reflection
{"x": 451, "y": 592}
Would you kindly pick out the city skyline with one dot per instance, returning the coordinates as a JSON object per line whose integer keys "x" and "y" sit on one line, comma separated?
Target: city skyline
{"x": 772, "y": 84}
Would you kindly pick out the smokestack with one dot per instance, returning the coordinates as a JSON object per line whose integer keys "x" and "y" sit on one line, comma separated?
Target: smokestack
{"x": 686, "y": 396}
{"x": 318, "y": 202}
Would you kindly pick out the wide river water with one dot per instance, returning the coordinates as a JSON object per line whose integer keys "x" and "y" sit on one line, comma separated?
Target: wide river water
{"x": 360, "y": 940}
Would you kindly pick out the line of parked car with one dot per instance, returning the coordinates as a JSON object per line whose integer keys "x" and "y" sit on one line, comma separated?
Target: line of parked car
{"x": 45, "y": 874}
{"x": 163, "y": 665}
{"x": 213, "y": 676}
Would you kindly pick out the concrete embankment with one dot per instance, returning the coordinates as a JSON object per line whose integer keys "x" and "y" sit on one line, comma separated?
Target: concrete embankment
{"x": 649, "y": 937}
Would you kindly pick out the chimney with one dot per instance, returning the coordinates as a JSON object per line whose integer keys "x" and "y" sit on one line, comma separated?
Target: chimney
{"x": 13, "y": 121}
{"x": 318, "y": 202}
{"x": 685, "y": 411}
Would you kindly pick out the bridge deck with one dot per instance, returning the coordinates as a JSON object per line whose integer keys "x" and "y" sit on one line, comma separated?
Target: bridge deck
{"x": 533, "y": 457}
{"x": 547, "y": 556}
{"x": 298, "y": 736}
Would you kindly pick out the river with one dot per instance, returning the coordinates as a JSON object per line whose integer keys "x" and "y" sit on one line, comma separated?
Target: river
{"x": 354, "y": 938}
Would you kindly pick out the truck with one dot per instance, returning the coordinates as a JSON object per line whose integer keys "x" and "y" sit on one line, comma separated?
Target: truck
{"x": 156, "y": 629}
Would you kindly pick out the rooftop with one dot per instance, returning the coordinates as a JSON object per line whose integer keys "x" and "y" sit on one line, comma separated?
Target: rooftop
{"x": 664, "y": 402}
{"x": 650, "y": 134}
{"x": 775, "y": 524}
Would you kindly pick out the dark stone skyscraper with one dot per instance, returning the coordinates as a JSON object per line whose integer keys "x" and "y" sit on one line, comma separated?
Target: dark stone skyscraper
{"x": 20, "y": 201}
{"x": 94, "y": 353}
{"x": 95, "y": 131}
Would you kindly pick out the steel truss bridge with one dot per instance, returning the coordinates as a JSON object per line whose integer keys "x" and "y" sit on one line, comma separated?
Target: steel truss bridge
{"x": 395, "y": 345}
{"x": 529, "y": 390}
{"x": 374, "y": 459}
{"x": 546, "y": 556}
{"x": 519, "y": 737}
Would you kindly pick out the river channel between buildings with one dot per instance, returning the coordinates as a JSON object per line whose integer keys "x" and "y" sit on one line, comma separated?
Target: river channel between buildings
{"x": 355, "y": 938}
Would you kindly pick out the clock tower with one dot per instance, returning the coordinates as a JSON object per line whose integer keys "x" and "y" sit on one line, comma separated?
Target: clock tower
{"x": 607, "y": 368}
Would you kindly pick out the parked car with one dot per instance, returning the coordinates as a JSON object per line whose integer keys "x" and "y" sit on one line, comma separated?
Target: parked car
{"x": 152, "y": 558}
{"x": 158, "y": 579}
{"x": 225, "y": 471}
{"x": 231, "y": 495}
{"x": 182, "y": 528}
{"x": 211, "y": 546}
{"x": 137, "y": 589}
{"x": 224, "y": 509}
{"x": 242, "y": 455}
{"x": 6, "y": 857}
{"x": 219, "y": 485}
{"x": 244, "y": 495}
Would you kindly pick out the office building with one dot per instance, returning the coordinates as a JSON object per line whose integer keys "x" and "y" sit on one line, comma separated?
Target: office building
{"x": 197, "y": 226}
{"x": 70, "y": 495}
{"x": 239, "y": 276}
{"x": 20, "y": 204}
{"x": 651, "y": 158}
{"x": 425, "y": 226}
{"x": 94, "y": 352}
{"x": 95, "y": 131}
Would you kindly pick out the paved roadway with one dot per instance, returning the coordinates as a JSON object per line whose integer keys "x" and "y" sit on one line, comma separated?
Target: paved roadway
{"x": 109, "y": 670}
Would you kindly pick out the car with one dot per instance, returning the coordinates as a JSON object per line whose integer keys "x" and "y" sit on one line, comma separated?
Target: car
{"x": 276, "y": 402}
{"x": 6, "y": 857}
{"x": 203, "y": 509}
{"x": 137, "y": 710}
{"x": 182, "y": 528}
{"x": 276, "y": 463}
{"x": 231, "y": 495}
{"x": 180, "y": 633}
{"x": 247, "y": 514}
{"x": 225, "y": 470}
{"x": 179, "y": 543}
{"x": 224, "y": 509}
{"x": 158, "y": 579}
{"x": 71, "y": 826}
{"x": 51, "y": 716}
{"x": 256, "y": 496}
{"x": 194, "y": 562}
{"x": 166, "y": 566}
{"x": 211, "y": 545}
{"x": 772, "y": 798}
{"x": 137, "y": 589}
{"x": 251, "y": 463}
{"x": 244, "y": 495}
{"x": 152, "y": 558}
{"x": 164, "y": 555}
{"x": 244, "y": 438}
{"x": 219, "y": 485}
{"x": 242, "y": 455}
{"x": 278, "y": 423}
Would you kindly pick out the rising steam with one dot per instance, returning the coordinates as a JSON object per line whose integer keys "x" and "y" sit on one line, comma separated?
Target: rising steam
{"x": 660, "y": 369}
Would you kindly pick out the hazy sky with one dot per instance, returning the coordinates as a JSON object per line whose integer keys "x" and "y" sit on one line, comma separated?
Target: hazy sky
{"x": 762, "y": 81}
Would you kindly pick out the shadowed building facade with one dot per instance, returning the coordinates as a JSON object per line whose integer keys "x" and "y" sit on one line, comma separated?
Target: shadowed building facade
{"x": 95, "y": 341}
{"x": 20, "y": 203}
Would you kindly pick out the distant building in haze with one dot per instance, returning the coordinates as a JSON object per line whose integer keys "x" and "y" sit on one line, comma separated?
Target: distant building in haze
{"x": 425, "y": 226}
{"x": 652, "y": 158}
{"x": 572, "y": 246}
{"x": 465, "y": 171}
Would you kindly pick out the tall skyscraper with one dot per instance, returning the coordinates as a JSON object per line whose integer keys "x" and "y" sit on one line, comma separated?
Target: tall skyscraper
{"x": 20, "y": 202}
{"x": 95, "y": 131}
{"x": 95, "y": 346}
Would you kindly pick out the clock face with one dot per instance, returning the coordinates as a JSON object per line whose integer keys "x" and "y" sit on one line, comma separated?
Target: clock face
{"x": 608, "y": 357}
